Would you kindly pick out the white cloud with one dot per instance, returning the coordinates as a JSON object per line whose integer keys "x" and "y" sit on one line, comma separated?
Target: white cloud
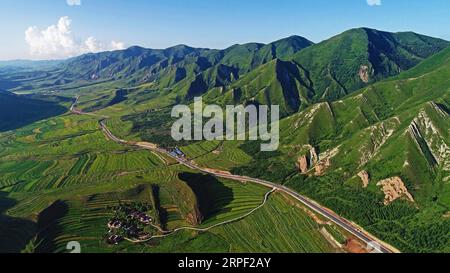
{"x": 57, "y": 41}
{"x": 374, "y": 2}
{"x": 117, "y": 45}
{"x": 74, "y": 2}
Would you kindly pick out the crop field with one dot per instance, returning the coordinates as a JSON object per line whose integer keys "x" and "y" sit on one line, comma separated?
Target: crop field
{"x": 234, "y": 200}
{"x": 226, "y": 157}
{"x": 67, "y": 151}
{"x": 82, "y": 214}
{"x": 277, "y": 227}
{"x": 200, "y": 148}
{"x": 120, "y": 128}
{"x": 66, "y": 168}
{"x": 222, "y": 155}
{"x": 82, "y": 165}
{"x": 124, "y": 162}
{"x": 84, "y": 220}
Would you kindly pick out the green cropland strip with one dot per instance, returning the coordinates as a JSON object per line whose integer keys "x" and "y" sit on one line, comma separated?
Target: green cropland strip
{"x": 61, "y": 176}
{"x": 396, "y": 127}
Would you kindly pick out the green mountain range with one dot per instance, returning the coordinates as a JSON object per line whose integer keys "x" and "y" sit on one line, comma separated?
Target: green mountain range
{"x": 395, "y": 128}
{"x": 333, "y": 69}
{"x": 364, "y": 131}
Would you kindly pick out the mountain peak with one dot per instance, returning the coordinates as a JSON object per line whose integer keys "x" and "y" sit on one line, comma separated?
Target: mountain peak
{"x": 180, "y": 47}
{"x": 134, "y": 50}
{"x": 293, "y": 39}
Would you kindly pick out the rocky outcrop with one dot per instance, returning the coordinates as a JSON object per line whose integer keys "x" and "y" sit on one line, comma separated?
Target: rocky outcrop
{"x": 365, "y": 178}
{"x": 312, "y": 160}
{"x": 322, "y": 166}
{"x": 364, "y": 73}
{"x": 306, "y": 162}
{"x": 379, "y": 135}
{"x": 393, "y": 189}
{"x": 313, "y": 157}
{"x": 302, "y": 164}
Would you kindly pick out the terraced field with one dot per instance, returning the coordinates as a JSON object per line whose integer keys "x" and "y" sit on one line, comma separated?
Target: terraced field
{"x": 120, "y": 128}
{"x": 83, "y": 220}
{"x": 124, "y": 162}
{"x": 66, "y": 168}
{"x": 66, "y": 151}
{"x": 226, "y": 157}
{"x": 222, "y": 155}
{"x": 234, "y": 200}
{"x": 277, "y": 227}
{"x": 201, "y": 148}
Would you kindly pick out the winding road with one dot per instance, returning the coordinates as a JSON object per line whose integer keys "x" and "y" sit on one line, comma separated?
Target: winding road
{"x": 168, "y": 233}
{"x": 371, "y": 241}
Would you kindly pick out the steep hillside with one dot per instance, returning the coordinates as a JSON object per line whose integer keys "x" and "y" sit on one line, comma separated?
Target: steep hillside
{"x": 249, "y": 56}
{"x": 330, "y": 70}
{"x": 379, "y": 157}
{"x": 349, "y": 61}
{"x": 277, "y": 82}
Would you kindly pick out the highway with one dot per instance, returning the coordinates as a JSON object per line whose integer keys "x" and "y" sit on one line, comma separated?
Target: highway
{"x": 380, "y": 247}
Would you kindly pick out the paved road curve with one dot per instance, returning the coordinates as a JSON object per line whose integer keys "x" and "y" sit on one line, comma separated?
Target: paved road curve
{"x": 171, "y": 232}
{"x": 343, "y": 223}
{"x": 328, "y": 214}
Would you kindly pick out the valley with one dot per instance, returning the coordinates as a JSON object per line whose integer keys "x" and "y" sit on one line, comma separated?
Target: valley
{"x": 364, "y": 133}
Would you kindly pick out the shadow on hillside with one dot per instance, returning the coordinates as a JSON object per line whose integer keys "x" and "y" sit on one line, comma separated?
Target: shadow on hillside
{"x": 7, "y": 84}
{"x": 15, "y": 233}
{"x": 48, "y": 226}
{"x": 120, "y": 96}
{"x": 162, "y": 212}
{"x": 444, "y": 107}
{"x": 212, "y": 195}
{"x": 19, "y": 111}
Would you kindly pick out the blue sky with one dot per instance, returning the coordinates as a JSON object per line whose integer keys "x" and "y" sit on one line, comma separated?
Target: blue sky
{"x": 48, "y": 29}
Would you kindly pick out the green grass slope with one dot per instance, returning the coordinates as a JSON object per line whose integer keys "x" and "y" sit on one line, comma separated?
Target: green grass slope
{"x": 335, "y": 65}
{"x": 397, "y": 127}
{"x": 330, "y": 70}
{"x": 60, "y": 177}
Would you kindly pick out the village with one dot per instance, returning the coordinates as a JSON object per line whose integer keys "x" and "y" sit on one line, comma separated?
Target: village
{"x": 130, "y": 221}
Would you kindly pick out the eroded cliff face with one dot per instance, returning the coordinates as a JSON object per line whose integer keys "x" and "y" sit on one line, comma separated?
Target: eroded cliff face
{"x": 379, "y": 136}
{"x": 364, "y": 73}
{"x": 313, "y": 156}
{"x": 322, "y": 166}
{"x": 428, "y": 130}
{"x": 393, "y": 189}
{"x": 308, "y": 161}
{"x": 365, "y": 178}
{"x": 314, "y": 161}
{"x": 302, "y": 164}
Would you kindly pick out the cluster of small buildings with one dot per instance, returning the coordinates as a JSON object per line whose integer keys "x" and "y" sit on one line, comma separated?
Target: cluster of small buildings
{"x": 114, "y": 239}
{"x": 114, "y": 224}
{"x": 128, "y": 227}
{"x": 177, "y": 153}
{"x": 141, "y": 217}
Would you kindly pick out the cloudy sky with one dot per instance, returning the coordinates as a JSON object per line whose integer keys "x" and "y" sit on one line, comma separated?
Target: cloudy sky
{"x": 55, "y": 29}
